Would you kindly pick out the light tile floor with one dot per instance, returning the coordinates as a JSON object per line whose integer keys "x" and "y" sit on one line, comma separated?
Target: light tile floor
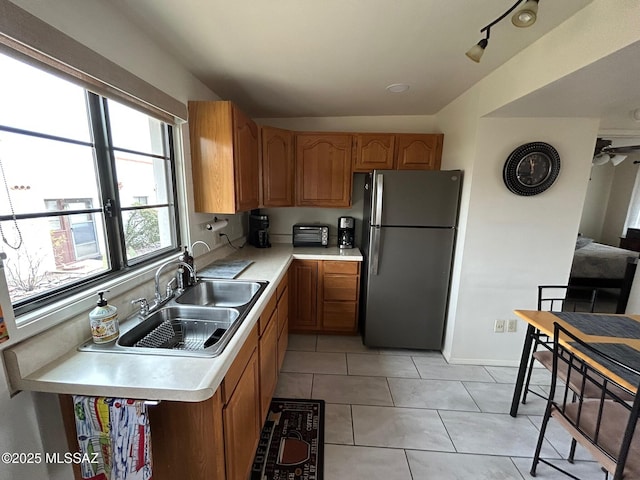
{"x": 408, "y": 415}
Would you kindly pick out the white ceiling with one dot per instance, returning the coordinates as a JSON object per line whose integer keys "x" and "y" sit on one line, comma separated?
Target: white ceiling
{"x": 296, "y": 58}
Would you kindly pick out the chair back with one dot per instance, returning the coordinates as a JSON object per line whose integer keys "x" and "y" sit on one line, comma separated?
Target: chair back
{"x": 567, "y": 298}
{"x": 604, "y": 425}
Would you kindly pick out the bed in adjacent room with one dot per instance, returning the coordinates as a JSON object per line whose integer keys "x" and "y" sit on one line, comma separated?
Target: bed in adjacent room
{"x": 599, "y": 265}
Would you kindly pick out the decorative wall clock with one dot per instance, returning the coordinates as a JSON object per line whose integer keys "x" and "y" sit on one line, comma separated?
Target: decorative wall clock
{"x": 531, "y": 168}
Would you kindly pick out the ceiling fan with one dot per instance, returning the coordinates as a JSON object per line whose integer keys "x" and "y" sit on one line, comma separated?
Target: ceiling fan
{"x": 604, "y": 152}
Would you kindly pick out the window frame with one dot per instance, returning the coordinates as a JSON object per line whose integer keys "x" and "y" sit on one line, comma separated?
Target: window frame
{"x": 110, "y": 207}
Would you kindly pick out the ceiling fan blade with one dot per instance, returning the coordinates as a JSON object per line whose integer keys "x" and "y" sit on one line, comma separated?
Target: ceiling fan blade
{"x": 622, "y": 150}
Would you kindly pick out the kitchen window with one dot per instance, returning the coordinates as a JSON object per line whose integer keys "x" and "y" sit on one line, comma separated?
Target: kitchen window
{"x": 87, "y": 186}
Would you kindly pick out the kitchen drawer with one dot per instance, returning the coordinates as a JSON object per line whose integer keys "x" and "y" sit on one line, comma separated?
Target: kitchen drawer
{"x": 332, "y": 266}
{"x": 340, "y": 287}
{"x": 266, "y": 314}
{"x": 237, "y": 367}
{"x": 340, "y": 316}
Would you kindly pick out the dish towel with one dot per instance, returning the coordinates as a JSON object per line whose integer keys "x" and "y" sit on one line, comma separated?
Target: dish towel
{"x": 115, "y": 434}
{"x": 4, "y": 336}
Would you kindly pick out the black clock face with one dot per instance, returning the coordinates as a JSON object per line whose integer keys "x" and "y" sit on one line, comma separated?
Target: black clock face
{"x": 531, "y": 168}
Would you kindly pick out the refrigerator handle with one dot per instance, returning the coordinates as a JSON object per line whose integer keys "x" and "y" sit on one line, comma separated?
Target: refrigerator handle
{"x": 377, "y": 199}
{"x": 375, "y": 250}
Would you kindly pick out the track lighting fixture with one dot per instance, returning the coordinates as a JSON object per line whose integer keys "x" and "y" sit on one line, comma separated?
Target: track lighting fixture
{"x": 523, "y": 17}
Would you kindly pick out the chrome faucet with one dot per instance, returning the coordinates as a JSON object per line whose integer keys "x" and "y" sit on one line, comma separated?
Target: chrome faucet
{"x": 200, "y": 242}
{"x": 158, "y": 296}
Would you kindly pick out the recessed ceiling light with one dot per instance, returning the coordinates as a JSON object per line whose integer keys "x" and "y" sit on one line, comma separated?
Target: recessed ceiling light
{"x": 398, "y": 87}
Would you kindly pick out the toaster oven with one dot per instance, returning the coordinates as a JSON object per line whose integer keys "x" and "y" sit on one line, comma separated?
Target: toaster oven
{"x": 310, "y": 235}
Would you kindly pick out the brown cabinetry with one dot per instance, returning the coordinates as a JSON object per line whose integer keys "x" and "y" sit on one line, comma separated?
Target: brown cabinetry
{"x": 374, "y": 151}
{"x": 241, "y": 413}
{"x": 323, "y": 170}
{"x": 303, "y": 282}
{"x": 277, "y": 167}
{"x": 268, "y": 357}
{"x": 224, "y": 158}
{"x": 419, "y": 151}
{"x": 324, "y": 296}
{"x": 283, "y": 319}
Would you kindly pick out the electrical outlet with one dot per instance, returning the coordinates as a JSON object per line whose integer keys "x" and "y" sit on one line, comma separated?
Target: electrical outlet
{"x": 512, "y": 325}
{"x": 498, "y": 327}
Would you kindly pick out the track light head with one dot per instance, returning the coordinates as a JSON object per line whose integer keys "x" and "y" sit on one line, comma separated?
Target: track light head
{"x": 527, "y": 15}
{"x": 475, "y": 52}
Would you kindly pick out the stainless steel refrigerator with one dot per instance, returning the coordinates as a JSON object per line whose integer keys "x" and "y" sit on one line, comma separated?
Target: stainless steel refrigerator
{"x": 409, "y": 228}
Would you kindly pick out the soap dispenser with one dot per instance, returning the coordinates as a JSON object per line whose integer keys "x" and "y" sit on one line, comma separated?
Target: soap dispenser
{"x": 186, "y": 275}
{"x": 104, "y": 321}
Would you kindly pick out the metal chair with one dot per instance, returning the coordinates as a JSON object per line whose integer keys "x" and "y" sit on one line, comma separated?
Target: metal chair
{"x": 605, "y": 425}
{"x": 556, "y": 298}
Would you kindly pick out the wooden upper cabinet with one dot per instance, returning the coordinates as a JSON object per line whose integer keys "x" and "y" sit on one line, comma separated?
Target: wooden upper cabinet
{"x": 323, "y": 170}
{"x": 419, "y": 151}
{"x": 374, "y": 152}
{"x": 224, "y": 158}
{"x": 277, "y": 168}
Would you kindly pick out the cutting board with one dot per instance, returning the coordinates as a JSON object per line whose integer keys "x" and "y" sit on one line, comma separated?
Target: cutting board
{"x": 225, "y": 268}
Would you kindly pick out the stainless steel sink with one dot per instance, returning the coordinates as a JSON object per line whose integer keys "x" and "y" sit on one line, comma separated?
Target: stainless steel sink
{"x": 200, "y": 325}
{"x": 180, "y": 328}
{"x": 220, "y": 293}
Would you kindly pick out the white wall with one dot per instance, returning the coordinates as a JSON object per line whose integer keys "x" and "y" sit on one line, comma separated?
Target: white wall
{"x": 513, "y": 243}
{"x": 622, "y": 184}
{"x": 596, "y": 201}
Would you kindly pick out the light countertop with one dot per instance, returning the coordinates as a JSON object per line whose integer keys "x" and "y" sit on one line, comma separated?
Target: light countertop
{"x": 158, "y": 377}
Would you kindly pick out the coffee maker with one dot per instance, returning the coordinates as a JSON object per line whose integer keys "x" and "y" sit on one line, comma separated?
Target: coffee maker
{"x": 346, "y": 232}
{"x": 259, "y": 230}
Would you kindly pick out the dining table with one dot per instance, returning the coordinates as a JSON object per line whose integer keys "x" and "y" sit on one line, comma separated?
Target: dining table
{"x": 615, "y": 335}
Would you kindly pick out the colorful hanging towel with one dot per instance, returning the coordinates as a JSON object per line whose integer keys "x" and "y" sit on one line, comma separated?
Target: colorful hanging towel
{"x": 115, "y": 434}
{"x": 4, "y": 336}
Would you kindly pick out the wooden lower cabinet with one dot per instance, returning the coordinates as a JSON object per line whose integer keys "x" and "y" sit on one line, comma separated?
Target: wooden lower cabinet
{"x": 303, "y": 283}
{"x": 242, "y": 422}
{"x": 191, "y": 444}
{"x": 187, "y": 438}
{"x": 324, "y": 296}
{"x": 269, "y": 365}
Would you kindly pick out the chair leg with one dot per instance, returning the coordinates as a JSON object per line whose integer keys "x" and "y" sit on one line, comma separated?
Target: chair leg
{"x": 543, "y": 429}
{"x": 525, "y": 389}
{"x": 529, "y": 372}
{"x": 572, "y": 450}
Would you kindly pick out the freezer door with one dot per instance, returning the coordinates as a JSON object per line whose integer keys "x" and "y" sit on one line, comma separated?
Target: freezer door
{"x": 406, "y": 299}
{"x": 410, "y": 198}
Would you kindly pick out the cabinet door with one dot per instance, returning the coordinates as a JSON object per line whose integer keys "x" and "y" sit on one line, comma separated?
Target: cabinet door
{"x": 283, "y": 342}
{"x": 188, "y": 439}
{"x": 268, "y": 355}
{"x": 419, "y": 152}
{"x": 245, "y": 161}
{"x": 242, "y": 422}
{"x": 211, "y": 134}
{"x": 323, "y": 170}
{"x": 277, "y": 168}
{"x": 374, "y": 152}
{"x": 303, "y": 286}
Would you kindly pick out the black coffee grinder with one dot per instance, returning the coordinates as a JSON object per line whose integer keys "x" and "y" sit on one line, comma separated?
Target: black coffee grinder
{"x": 259, "y": 230}
{"x": 346, "y": 232}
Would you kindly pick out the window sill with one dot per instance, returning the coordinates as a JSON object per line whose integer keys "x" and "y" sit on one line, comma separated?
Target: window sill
{"x": 38, "y": 321}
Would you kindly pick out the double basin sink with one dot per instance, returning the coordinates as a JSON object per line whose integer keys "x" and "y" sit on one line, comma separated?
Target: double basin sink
{"x": 199, "y": 322}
